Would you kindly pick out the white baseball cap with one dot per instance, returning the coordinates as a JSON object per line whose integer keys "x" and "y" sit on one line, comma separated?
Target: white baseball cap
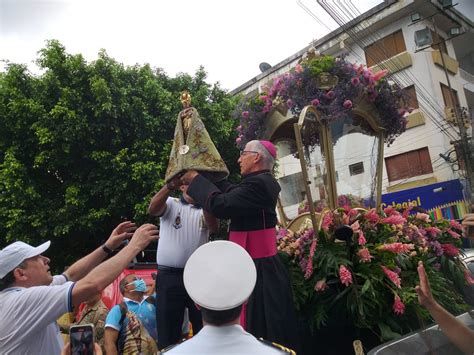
{"x": 220, "y": 275}
{"x": 14, "y": 254}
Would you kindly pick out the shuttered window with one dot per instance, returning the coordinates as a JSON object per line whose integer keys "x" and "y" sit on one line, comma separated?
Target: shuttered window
{"x": 409, "y": 164}
{"x": 385, "y": 48}
{"x": 448, "y": 102}
{"x": 411, "y": 96}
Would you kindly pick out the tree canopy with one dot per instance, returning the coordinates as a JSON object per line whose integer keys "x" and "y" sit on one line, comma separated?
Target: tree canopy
{"x": 84, "y": 146}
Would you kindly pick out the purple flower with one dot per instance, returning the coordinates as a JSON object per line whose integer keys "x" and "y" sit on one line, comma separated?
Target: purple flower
{"x": 289, "y": 103}
{"x": 330, "y": 95}
{"x": 355, "y": 81}
{"x": 315, "y": 102}
{"x": 347, "y": 104}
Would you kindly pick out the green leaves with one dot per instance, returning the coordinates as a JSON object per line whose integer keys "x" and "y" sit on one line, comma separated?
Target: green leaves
{"x": 85, "y": 145}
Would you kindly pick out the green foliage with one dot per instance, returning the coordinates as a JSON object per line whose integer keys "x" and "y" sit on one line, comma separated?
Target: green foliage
{"x": 368, "y": 282}
{"x": 85, "y": 145}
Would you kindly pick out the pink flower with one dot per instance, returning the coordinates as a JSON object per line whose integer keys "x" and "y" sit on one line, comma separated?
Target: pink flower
{"x": 355, "y": 81}
{"x": 281, "y": 232}
{"x": 397, "y": 247}
{"x": 299, "y": 68}
{"x": 239, "y": 128}
{"x": 450, "y": 250}
{"x": 423, "y": 217}
{"x": 389, "y": 210}
{"x": 372, "y": 216}
{"x": 238, "y": 140}
{"x": 245, "y": 114}
{"x": 433, "y": 231}
{"x": 394, "y": 219}
{"x": 362, "y": 239}
{"x": 327, "y": 222}
{"x": 455, "y": 224}
{"x": 355, "y": 226}
{"x": 364, "y": 255}
{"x": 379, "y": 75}
{"x": 289, "y": 103}
{"x": 398, "y": 306}
{"x": 321, "y": 286}
{"x": 453, "y": 234}
{"x": 309, "y": 267}
{"x": 352, "y": 212}
{"x": 345, "y": 275}
{"x": 330, "y": 95}
{"x": 315, "y": 102}
{"x": 393, "y": 276}
{"x": 347, "y": 104}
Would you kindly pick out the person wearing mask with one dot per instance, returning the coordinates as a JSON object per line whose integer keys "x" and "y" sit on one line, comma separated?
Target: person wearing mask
{"x": 133, "y": 319}
{"x": 31, "y": 299}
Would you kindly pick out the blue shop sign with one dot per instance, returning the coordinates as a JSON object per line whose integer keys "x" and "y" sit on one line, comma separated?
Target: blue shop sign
{"x": 442, "y": 200}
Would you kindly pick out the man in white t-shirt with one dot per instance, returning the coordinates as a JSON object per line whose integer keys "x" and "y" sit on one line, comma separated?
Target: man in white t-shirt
{"x": 183, "y": 228}
{"x": 31, "y": 299}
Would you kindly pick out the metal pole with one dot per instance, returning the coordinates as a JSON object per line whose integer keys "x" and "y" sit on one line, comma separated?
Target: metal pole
{"x": 465, "y": 149}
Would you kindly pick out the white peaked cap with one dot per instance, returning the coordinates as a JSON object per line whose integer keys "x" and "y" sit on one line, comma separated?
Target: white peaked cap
{"x": 220, "y": 275}
{"x": 14, "y": 254}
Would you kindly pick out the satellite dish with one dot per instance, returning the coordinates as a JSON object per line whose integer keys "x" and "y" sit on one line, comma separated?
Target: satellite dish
{"x": 264, "y": 66}
{"x": 423, "y": 37}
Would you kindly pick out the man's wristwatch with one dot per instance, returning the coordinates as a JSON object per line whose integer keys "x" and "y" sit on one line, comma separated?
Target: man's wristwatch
{"x": 106, "y": 249}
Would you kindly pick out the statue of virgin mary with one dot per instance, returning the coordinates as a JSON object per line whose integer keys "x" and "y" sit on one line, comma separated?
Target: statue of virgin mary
{"x": 192, "y": 147}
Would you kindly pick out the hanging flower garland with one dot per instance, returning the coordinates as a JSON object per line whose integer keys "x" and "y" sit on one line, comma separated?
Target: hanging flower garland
{"x": 332, "y": 85}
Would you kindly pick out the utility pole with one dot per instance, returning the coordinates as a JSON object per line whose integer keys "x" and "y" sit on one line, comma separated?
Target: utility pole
{"x": 467, "y": 151}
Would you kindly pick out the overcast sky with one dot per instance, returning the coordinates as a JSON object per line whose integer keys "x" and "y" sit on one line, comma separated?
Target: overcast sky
{"x": 229, "y": 38}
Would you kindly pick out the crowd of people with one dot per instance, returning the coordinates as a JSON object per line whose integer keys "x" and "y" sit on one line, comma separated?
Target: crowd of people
{"x": 235, "y": 293}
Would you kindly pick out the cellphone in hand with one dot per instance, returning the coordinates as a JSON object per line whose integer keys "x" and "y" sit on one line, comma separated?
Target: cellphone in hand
{"x": 82, "y": 339}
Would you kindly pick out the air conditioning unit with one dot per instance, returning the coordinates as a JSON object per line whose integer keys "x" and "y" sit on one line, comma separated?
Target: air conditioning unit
{"x": 450, "y": 115}
{"x": 467, "y": 122}
{"x": 423, "y": 37}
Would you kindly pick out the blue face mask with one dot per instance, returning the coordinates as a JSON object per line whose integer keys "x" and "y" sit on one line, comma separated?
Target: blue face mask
{"x": 139, "y": 284}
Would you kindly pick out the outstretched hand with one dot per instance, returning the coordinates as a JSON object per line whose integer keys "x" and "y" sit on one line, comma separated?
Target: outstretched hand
{"x": 468, "y": 225}
{"x": 423, "y": 290}
{"x": 144, "y": 235}
{"x": 123, "y": 231}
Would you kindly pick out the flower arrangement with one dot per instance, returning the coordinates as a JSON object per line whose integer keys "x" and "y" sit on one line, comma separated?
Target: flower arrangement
{"x": 302, "y": 86}
{"x": 368, "y": 279}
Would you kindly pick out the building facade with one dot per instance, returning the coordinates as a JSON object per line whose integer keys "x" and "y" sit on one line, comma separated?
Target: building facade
{"x": 423, "y": 44}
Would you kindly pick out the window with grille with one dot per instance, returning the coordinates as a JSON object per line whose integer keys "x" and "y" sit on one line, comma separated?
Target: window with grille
{"x": 385, "y": 48}
{"x": 409, "y": 164}
{"x": 357, "y": 168}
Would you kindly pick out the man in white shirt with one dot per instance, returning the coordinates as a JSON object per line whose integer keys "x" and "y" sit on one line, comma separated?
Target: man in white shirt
{"x": 31, "y": 299}
{"x": 219, "y": 277}
{"x": 183, "y": 228}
